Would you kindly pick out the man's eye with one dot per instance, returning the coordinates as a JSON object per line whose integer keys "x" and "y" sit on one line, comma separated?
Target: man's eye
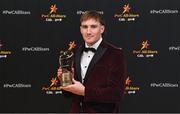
{"x": 84, "y": 26}
{"x": 93, "y": 26}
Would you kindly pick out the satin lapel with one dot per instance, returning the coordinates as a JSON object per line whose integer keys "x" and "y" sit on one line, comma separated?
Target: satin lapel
{"x": 78, "y": 66}
{"x": 99, "y": 53}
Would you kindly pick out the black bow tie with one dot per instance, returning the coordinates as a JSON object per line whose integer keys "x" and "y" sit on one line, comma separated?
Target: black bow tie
{"x": 89, "y": 49}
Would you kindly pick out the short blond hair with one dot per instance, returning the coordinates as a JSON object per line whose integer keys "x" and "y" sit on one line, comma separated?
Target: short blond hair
{"x": 92, "y": 15}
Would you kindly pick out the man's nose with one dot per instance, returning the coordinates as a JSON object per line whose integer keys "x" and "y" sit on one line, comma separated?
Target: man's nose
{"x": 88, "y": 30}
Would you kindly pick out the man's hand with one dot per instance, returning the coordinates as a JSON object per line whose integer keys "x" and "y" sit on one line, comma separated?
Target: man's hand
{"x": 59, "y": 73}
{"x": 76, "y": 88}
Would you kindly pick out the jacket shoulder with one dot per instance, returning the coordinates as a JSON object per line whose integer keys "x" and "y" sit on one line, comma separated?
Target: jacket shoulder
{"x": 111, "y": 46}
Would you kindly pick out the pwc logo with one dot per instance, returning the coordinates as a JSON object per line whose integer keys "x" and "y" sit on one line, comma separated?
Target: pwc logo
{"x": 130, "y": 88}
{"x": 3, "y": 53}
{"x": 53, "y": 15}
{"x": 128, "y": 82}
{"x": 145, "y": 51}
{"x": 126, "y": 9}
{"x": 145, "y": 45}
{"x": 54, "y": 87}
{"x": 126, "y": 14}
{"x": 53, "y": 9}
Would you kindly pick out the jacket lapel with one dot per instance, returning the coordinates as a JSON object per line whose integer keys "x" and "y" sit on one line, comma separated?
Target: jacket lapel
{"x": 78, "y": 63}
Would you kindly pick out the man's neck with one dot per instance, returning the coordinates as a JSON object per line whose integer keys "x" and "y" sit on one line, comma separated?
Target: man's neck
{"x": 95, "y": 45}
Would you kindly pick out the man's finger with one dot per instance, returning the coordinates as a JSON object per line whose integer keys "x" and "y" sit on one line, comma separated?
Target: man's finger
{"x": 74, "y": 81}
{"x": 64, "y": 87}
{"x": 60, "y": 70}
{"x": 72, "y": 69}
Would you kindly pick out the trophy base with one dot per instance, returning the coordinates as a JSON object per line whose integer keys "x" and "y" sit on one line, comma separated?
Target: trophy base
{"x": 66, "y": 84}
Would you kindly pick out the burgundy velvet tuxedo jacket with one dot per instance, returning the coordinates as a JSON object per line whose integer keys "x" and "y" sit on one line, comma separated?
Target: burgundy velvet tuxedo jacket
{"x": 104, "y": 81}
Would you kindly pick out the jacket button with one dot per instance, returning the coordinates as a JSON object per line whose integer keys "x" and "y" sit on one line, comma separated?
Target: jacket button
{"x": 80, "y": 103}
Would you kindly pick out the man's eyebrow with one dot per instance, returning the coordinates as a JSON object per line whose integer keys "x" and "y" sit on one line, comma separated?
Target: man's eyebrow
{"x": 84, "y": 25}
{"x": 90, "y": 25}
{"x": 93, "y": 25}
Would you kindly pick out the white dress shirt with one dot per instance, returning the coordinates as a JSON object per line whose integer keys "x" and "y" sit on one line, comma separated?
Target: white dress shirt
{"x": 87, "y": 57}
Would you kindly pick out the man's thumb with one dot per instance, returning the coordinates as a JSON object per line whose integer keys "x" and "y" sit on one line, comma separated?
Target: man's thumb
{"x": 74, "y": 81}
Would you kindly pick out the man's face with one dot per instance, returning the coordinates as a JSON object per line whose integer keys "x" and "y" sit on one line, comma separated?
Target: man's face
{"x": 91, "y": 31}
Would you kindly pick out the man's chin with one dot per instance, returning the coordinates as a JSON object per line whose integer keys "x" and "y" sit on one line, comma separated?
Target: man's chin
{"x": 89, "y": 43}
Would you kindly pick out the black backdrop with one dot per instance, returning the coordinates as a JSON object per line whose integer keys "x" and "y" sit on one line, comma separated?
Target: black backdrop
{"x": 30, "y": 45}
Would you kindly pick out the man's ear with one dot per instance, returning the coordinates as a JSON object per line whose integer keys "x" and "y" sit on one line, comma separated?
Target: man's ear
{"x": 102, "y": 29}
{"x": 80, "y": 28}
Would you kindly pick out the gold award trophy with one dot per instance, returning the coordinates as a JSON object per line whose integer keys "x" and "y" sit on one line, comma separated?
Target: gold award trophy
{"x": 66, "y": 63}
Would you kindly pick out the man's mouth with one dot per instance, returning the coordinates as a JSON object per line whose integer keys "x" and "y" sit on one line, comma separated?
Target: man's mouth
{"x": 88, "y": 37}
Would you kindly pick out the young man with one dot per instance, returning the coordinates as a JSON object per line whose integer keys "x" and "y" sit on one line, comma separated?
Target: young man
{"x": 99, "y": 72}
